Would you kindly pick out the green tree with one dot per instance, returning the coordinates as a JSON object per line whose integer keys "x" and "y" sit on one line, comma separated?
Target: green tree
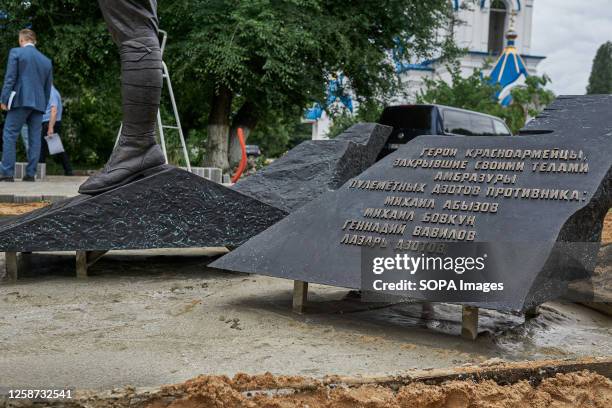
{"x": 475, "y": 92}
{"x": 248, "y": 58}
{"x": 600, "y": 81}
{"x": 276, "y": 134}
{"x": 368, "y": 111}
{"x": 234, "y": 63}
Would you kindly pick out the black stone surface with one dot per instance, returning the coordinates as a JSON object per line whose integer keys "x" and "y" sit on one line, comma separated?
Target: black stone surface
{"x": 168, "y": 209}
{"x": 526, "y": 236}
{"x": 315, "y": 167}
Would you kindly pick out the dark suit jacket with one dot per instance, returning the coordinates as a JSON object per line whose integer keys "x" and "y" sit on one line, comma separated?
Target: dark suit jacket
{"x": 30, "y": 74}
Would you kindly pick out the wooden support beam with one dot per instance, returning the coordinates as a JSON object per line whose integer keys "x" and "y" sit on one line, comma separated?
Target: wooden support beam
{"x": 85, "y": 259}
{"x": 11, "y": 262}
{"x": 469, "y": 323}
{"x": 300, "y": 296}
{"x": 81, "y": 264}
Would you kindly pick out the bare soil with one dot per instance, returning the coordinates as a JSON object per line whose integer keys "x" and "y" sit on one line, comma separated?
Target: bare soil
{"x": 606, "y": 235}
{"x": 573, "y": 390}
{"x": 7, "y": 209}
{"x": 563, "y": 390}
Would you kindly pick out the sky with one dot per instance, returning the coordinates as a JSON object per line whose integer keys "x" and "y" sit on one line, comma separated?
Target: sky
{"x": 568, "y": 33}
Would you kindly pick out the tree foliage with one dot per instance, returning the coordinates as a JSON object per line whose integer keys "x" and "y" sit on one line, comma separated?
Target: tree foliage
{"x": 85, "y": 64}
{"x": 368, "y": 111}
{"x": 476, "y": 92}
{"x": 275, "y": 134}
{"x": 249, "y": 58}
{"x": 600, "y": 81}
{"x": 248, "y": 63}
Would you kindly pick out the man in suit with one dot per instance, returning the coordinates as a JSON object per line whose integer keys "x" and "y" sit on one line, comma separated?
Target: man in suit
{"x": 25, "y": 94}
{"x": 134, "y": 28}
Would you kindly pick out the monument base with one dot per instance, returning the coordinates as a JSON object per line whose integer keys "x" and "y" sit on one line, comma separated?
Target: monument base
{"x": 167, "y": 209}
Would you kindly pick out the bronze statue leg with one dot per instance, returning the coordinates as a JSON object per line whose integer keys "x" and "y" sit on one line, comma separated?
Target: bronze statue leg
{"x": 133, "y": 26}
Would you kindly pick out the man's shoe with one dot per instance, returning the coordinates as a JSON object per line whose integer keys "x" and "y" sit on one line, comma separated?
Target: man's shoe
{"x": 133, "y": 156}
{"x": 7, "y": 179}
{"x": 28, "y": 178}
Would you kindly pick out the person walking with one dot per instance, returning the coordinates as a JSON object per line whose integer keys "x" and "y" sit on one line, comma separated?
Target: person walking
{"x": 52, "y": 123}
{"x": 25, "y": 94}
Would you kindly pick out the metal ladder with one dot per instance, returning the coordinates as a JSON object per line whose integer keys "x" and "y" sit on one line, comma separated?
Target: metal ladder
{"x": 160, "y": 125}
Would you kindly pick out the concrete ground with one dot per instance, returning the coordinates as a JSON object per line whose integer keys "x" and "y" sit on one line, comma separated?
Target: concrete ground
{"x": 158, "y": 317}
{"x": 53, "y": 188}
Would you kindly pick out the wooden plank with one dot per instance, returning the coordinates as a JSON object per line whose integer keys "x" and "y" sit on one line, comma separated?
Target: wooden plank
{"x": 300, "y": 296}
{"x": 469, "y": 322}
{"x": 81, "y": 264}
{"x": 505, "y": 373}
{"x": 12, "y": 265}
{"x": 85, "y": 259}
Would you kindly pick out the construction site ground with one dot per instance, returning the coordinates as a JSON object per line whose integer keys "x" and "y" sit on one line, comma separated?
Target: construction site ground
{"x": 149, "y": 318}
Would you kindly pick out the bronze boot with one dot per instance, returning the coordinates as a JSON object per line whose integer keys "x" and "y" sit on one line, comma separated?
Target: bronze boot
{"x": 137, "y": 151}
{"x": 133, "y": 156}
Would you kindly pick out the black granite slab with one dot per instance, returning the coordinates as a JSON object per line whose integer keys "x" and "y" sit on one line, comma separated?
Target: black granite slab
{"x": 538, "y": 244}
{"x": 175, "y": 209}
{"x": 315, "y": 167}
{"x": 168, "y": 209}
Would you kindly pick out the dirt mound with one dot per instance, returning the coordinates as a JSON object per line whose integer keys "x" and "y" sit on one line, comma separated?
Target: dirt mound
{"x": 564, "y": 390}
{"x": 502, "y": 385}
{"x": 579, "y": 389}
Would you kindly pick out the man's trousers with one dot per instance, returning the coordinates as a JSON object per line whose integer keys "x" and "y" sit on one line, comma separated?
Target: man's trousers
{"x": 44, "y": 148}
{"x": 15, "y": 119}
{"x": 134, "y": 28}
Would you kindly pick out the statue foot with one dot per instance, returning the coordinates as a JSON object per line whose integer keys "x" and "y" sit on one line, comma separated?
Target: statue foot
{"x": 132, "y": 157}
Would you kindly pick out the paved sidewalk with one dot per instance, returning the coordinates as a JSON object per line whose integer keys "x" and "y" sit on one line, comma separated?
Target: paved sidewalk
{"x": 52, "y": 189}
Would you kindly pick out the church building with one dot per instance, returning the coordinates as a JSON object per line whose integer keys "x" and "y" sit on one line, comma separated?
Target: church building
{"x": 497, "y": 32}
{"x": 483, "y": 30}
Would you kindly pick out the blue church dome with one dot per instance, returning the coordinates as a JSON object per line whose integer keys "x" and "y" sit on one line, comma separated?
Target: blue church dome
{"x": 335, "y": 92}
{"x": 508, "y": 69}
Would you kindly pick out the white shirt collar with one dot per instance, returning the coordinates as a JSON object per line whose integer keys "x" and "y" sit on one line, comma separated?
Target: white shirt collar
{"x": 29, "y": 44}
